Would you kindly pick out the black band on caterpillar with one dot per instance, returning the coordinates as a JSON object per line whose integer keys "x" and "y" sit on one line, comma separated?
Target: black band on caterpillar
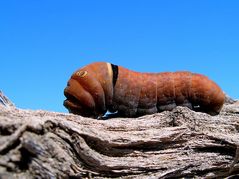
{"x": 115, "y": 73}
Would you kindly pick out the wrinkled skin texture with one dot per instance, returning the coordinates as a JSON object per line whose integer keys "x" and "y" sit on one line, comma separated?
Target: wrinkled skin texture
{"x": 95, "y": 89}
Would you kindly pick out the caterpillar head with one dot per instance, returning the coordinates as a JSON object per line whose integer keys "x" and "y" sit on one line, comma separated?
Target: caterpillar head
{"x": 84, "y": 94}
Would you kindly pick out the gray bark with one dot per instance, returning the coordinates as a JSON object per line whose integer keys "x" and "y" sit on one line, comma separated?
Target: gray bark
{"x": 178, "y": 143}
{"x": 5, "y": 101}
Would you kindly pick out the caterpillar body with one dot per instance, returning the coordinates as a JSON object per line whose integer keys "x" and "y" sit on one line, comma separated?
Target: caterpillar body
{"x": 101, "y": 86}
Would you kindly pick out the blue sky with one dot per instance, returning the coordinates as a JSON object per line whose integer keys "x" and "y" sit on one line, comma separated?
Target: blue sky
{"x": 43, "y": 42}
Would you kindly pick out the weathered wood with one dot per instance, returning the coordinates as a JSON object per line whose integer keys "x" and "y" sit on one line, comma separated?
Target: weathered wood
{"x": 5, "y": 101}
{"x": 180, "y": 143}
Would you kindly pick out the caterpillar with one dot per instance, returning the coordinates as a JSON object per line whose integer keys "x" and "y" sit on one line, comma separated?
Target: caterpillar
{"x": 100, "y": 87}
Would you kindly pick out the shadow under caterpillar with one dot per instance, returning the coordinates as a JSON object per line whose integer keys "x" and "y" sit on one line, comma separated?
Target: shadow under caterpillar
{"x": 100, "y": 87}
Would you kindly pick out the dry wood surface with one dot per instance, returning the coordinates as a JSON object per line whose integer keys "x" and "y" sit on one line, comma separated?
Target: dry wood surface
{"x": 171, "y": 144}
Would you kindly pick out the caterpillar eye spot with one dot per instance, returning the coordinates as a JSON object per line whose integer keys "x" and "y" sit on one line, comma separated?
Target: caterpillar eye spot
{"x": 81, "y": 73}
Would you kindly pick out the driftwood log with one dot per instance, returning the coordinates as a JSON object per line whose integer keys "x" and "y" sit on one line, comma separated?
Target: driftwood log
{"x": 180, "y": 143}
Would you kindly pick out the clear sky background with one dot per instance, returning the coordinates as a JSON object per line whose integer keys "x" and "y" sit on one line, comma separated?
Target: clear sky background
{"x": 43, "y": 42}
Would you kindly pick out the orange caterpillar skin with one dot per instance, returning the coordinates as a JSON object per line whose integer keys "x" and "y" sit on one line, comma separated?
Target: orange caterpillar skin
{"x": 100, "y": 87}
